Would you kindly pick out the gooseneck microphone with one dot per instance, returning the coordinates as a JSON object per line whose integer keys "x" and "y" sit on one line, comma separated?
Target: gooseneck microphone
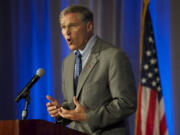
{"x": 39, "y": 73}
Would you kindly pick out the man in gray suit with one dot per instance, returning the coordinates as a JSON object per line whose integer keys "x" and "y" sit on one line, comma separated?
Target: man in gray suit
{"x": 98, "y": 85}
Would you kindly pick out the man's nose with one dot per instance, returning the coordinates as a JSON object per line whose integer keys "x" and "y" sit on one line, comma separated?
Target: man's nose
{"x": 68, "y": 32}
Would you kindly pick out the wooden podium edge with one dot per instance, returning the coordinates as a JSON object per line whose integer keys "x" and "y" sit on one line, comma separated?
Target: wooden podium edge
{"x": 35, "y": 127}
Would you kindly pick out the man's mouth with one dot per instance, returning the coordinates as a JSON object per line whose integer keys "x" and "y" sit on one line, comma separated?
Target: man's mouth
{"x": 69, "y": 41}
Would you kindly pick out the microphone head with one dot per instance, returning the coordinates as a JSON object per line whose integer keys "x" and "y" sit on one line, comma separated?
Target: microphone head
{"x": 40, "y": 72}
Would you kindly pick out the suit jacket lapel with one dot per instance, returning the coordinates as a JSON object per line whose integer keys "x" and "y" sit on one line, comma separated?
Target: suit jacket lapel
{"x": 70, "y": 75}
{"x": 92, "y": 60}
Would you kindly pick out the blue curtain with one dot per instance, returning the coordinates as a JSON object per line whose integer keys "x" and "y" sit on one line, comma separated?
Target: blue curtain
{"x": 31, "y": 46}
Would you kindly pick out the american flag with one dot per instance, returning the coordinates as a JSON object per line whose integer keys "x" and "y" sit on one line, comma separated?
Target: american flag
{"x": 150, "y": 115}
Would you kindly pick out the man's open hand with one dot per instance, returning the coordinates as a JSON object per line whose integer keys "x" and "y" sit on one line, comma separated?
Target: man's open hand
{"x": 78, "y": 113}
{"x": 53, "y": 107}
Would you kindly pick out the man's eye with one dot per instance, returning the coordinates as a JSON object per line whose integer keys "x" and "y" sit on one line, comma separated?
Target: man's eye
{"x": 63, "y": 27}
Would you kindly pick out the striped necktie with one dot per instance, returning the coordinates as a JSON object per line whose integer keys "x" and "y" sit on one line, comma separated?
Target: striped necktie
{"x": 78, "y": 68}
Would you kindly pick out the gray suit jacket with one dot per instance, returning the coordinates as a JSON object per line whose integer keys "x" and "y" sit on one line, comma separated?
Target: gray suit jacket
{"x": 106, "y": 88}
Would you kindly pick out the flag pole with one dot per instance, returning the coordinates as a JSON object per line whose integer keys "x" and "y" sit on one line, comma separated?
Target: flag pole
{"x": 144, "y": 11}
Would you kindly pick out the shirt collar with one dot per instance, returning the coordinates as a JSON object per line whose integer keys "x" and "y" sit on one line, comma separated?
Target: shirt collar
{"x": 88, "y": 46}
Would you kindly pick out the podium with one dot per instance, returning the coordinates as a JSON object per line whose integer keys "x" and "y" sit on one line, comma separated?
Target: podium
{"x": 34, "y": 127}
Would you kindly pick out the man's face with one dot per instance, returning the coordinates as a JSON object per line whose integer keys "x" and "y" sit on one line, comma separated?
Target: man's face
{"x": 75, "y": 31}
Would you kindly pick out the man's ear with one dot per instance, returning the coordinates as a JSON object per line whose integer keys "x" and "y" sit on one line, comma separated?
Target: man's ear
{"x": 89, "y": 26}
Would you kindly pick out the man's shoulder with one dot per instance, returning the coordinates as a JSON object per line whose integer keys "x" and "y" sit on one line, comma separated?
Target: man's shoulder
{"x": 69, "y": 57}
{"x": 107, "y": 47}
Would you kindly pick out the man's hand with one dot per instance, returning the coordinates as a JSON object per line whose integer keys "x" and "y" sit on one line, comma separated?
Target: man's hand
{"x": 78, "y": 113}
{"x": 53, "y": 107}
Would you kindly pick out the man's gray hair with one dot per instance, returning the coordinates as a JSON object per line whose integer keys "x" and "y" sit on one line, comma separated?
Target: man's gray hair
{"x": 84, "y": 13}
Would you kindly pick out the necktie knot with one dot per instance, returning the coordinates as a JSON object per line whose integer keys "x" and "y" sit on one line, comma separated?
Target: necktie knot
{"x": 78, "y": 54}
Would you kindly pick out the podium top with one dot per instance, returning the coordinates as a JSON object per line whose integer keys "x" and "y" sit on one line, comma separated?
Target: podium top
{"x": 34, "y": 127}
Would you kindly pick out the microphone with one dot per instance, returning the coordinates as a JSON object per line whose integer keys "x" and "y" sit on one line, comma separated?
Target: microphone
{"x": 39, "y": 73}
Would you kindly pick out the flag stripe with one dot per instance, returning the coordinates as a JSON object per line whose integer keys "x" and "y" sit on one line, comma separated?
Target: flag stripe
{"x": 156, "y": 119}
{"x": 161, "y": 108}
{"x": 163, "y": 127}
{"x": 145, "y": 108}
{"x": 151, "y": 113}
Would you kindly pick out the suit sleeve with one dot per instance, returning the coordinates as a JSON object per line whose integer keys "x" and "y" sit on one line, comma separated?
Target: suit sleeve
{"x": 65, "y": 104}
{"x": 123, "y": 93}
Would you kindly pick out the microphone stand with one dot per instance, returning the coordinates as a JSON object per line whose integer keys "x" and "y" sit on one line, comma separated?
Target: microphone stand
{"x": 27, "y": 99}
